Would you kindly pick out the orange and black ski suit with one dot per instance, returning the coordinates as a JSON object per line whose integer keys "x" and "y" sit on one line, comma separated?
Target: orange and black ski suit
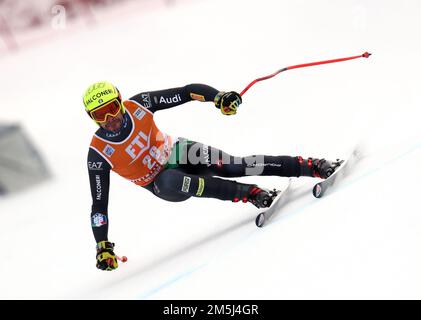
{"x": 172, "y": 168}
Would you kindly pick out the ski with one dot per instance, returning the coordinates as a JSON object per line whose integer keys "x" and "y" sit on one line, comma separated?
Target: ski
{"x": 263, "y": 217}
{"x": 320, "y": 188}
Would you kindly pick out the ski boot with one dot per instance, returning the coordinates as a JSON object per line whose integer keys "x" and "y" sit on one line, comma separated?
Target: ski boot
{"x": 260, "y": 198}
{"x": 318, "y": 168}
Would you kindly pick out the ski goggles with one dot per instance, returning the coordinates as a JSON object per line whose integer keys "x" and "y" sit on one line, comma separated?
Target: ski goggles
{"x": 111, "y": 108}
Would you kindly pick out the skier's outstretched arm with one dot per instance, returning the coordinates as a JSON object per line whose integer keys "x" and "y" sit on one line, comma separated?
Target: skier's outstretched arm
{"x": 99, "y": 178}
{"x": 227, "y": 102}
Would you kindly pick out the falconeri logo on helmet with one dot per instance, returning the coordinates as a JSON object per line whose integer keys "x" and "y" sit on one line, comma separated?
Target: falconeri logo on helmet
{"x": 98, "y": 95}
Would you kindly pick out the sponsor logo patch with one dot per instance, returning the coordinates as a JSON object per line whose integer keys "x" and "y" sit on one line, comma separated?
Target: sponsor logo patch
{"x": 108, "y": 150}
{"x": 146, "y": 100}
{"x": 197, "y": 97}
{"x": 139, "y": 144}
{"x": 98, "y": 95}
{"x": 98, "y": 187}
{"x": 201, "y": 187}
{"x": 186, "y": 184}
{"x": 169, "y": 100}
{"x": 139, "y": 113}
{"x": 112, "y": 135}
{"x": 253, "y": 165}
{"x": 98, "y": 220}
{"x": 95, "y": 165}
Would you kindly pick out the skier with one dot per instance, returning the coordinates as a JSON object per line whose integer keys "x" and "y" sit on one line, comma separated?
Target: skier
{"x": 129, "y": 143}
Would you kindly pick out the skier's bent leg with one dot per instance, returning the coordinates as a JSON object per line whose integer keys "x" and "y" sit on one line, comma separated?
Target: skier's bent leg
{"x": 176, "y": 183}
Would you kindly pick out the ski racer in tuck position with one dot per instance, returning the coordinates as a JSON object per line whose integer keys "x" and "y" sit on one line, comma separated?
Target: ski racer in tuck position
{"x": 173, "y": 168}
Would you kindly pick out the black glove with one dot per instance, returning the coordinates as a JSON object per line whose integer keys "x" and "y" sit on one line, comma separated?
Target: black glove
{"x": 228, "y": 102}
{"x": 105, "y": 256}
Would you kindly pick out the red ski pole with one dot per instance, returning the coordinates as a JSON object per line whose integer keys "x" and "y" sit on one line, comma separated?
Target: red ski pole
{"x": 364, "y": 55}
{"x": 122, "y": 259}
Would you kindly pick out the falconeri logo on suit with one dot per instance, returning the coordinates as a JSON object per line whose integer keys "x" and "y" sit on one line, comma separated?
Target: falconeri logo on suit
{"x": 108, "y": 150}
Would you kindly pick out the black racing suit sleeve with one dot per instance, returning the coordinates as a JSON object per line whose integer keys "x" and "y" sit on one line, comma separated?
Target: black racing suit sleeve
{"x": 99, "y": 178}
{"x": 169, "y": 98}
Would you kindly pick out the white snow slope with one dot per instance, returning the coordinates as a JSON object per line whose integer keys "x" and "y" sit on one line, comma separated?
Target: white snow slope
{"x": 360, "y": 242}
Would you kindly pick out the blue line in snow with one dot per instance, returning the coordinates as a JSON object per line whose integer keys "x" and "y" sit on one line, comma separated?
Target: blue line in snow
{"x": 171, "y": 281}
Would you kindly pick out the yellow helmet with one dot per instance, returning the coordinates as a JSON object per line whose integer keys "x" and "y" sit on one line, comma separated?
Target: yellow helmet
{"x": 99, "y": 94}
